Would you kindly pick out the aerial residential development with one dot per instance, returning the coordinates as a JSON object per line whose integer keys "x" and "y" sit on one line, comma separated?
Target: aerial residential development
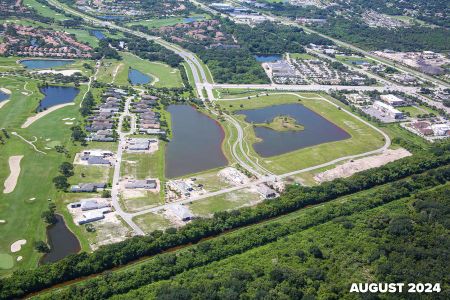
{"x": 236, "y": 149}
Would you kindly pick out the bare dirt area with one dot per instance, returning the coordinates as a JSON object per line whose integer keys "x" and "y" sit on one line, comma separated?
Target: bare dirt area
{"x": 349, "y": 168}
{"x": 108, "y": 231}
{"x": 14, "y": 167}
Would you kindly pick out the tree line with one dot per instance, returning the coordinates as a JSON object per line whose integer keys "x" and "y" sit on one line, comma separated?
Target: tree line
{"x": 295, "y": 197}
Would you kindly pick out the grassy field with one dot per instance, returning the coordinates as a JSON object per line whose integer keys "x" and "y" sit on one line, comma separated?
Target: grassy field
{"x": 44, "y": 10}
{"x": 228, "y": 201}
{"x": 19, "y": 210}
{"x": 163, "y": 75}
{"x": 363, "y": 138}
{"x": 301, "y": 56}
{"x": 156, "y": 23}
{"x": 151, "y": 222}
{"x": 237, "y": 93}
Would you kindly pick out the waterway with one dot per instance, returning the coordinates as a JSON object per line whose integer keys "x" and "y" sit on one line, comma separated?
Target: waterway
{"x": 45, "y": 63}
{"x": 196, "y": 143}
{"x": 318, "y": 130}
{"x": 98, "y": 34}
{"x": 268, "y": 58}
{"x": 193, "y": 19}
{"x": 54, "y": 95}
{"x": 62, "y": 242}
{"x": 137, "y": 77}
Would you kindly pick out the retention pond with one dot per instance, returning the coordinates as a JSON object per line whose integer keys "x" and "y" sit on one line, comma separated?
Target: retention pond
{"x": 62, "y": 242}
{"x": 137, "y": 77}
{"x": 196, "y": 143}
{"x": 45, "y": 63}
{"x": 55, "y": 95}
{"x": 317, "y": 129}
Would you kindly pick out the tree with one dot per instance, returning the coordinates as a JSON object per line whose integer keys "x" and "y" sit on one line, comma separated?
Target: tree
{"x": 106, "y": 194}
{"x": 78, "y": 135}
{"x": 61, "y": 182}
{"x": 66, "y": 169}
{"x": 41, "y": 246}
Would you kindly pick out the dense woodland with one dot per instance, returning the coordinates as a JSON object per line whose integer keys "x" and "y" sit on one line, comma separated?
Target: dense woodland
{"x": 295, "y": 198}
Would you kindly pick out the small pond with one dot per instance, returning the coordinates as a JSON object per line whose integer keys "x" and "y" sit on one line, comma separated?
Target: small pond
{"x": 54, "y": 95}
{"x": 3, "y": 96}
{"x": 268, "y": 58}
{"x": 193, "y": 19}
{"x": 62, "y": 242}
{"x": 98, "y": 34}
{"x": 318, "y": 130}
{"x": 137, "y": 77}
{"x": 196, "y": 143}
{"x": 45, "y": 63}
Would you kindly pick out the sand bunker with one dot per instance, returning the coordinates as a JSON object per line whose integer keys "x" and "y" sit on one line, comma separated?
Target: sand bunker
{"x": 62, "y": 72}
{"x": 19, "y": 258}
{"x": 2, "y": 221}
{"x": 5, "y": 90}
{"x": 3, "y": 103}
{"x": 36, "y": 117}
{"x": 14, "y": 167}
{"x": 349, "y": 168}
{"x": 16, "y": 246}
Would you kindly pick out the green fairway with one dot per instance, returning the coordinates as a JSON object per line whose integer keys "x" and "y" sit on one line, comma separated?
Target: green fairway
{"x": 363, "y": 138}
{"x": 156, "y": 23}
{"x": 45, "y": 10}
{"x": 6, "y": 261}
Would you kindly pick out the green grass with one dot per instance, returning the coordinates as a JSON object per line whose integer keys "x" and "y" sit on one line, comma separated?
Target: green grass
{"x": 224, "y": 202}
{"x": 89, "y": 174}
{"x": 237, "y": 93}
{"x": 164, "y": 75}
{"x": 301, "y": 56}
{"x": 44, "y": 10}
{"x": 363, "y": 138}
{"x": 151, "y": 222}
{"x": 142, "y": 166}
{"x": 6, "y": 261}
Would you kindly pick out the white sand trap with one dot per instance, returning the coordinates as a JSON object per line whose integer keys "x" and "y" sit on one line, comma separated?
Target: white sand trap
{"x": 3, "y": 103}
{"x": 65, "y": 119}
{"x": 62, "y": 72}
{"x": 16, "y": 246}
{"x": 48, "y": 140}
{"x": 2, "y": 221}
{"x": 24, "y": 93}
{"x": 32, "y": 199}
{"x": 68, "y": 123}
{"x": 349, "y": 168}
{"x": 14, "y": 167}
{"x": 36, "y": 117}
{"x": 5, "y": 90}
{"x": 19, "y": 258}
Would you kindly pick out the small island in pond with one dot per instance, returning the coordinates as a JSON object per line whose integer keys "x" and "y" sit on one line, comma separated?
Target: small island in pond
{"x": 282, "y": 123}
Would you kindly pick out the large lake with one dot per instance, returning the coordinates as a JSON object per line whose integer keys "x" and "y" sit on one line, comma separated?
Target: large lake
{"x": 137, "y": 77}
{"x": 318, "y": 130}
{"x": 45, "y": 63}
{"x": 62, "y": 242}
{"x": 196, "y": 143}
{"x": 55, "y": 95}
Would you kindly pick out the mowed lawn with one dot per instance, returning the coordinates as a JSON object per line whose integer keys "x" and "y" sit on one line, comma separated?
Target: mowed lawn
{"x": 363, "y": 138}
{"x": 21, "y": 210}
{"x": 116, "y": 71}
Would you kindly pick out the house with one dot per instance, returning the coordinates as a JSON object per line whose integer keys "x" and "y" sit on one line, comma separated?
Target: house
{"x": 266, "y": 192}
{"x": 87, "y": 187}
{"x": 181, "y": 212}
{"x": 92, "y": 204}
{"x": 97, "y": 160}
{"x": 91, "y": 216}
{"x": 141, "y": 184}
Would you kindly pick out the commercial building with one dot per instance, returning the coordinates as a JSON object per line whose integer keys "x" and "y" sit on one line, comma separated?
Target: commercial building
{"x": 141, "y": 184}
{"x": 266, "y": 192}
{"x": 441, "y": 129}
{"x": 388, "y": 110}
{"x": 393, "y": 100}
{"x": 181, "y": 212}
{"x": 87, "y": 187}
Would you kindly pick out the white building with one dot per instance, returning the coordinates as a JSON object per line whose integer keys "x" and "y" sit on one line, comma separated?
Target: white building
{"x": 441, "y": 129}
{"x": 388, "y": 110}
{"x": 393, "y": 100}
{"x": 181, "y": 212}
